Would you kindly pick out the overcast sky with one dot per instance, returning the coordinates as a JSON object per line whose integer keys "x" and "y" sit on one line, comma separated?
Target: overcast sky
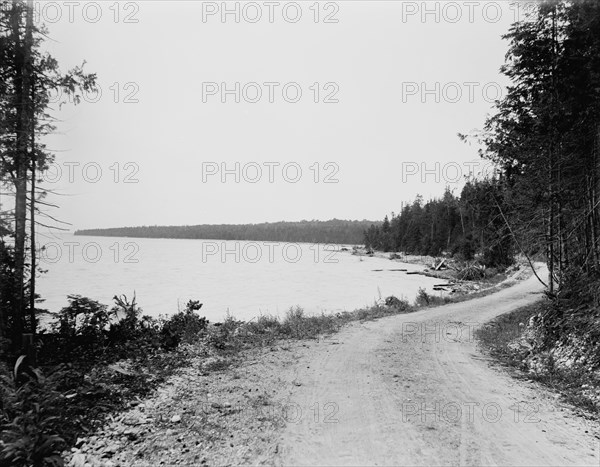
{"x": 396, "y": 84}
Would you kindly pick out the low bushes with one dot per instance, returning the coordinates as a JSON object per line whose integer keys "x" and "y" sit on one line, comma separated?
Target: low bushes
{"x": 424, "y": 299}
{"x": 91, "y": 362}
{"x": 184, "y": 326}
{"x": 94, "y": 331}
{"x": 297, "y": 325}
{"x": 30, "y": 415}
{"x": 397, "y": 303}
{"x": 98, "y": 358}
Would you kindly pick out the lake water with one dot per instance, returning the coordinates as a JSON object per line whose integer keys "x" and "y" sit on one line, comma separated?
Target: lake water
{"x": 244, "y": 278}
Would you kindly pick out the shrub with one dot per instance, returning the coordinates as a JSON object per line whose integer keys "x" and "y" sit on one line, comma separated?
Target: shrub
{"x": 184, "y": 326}
{"x": 423, "y": 298}
{"x": 126, "y": 315}
{"x": 31, "y": 406}
{"x": 265, "y": 324}
{"x": 223, "y": 335}
{"x": 397, "y": 303}
{"x": 297, "y": 325}
{"x": 82, "y": 325}
{"x": 82, "y": 317}
{"x": 265, "y": 329}
{"x": 294, "y": 322}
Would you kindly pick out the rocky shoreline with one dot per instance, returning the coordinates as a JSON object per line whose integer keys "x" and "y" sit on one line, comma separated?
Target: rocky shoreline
{"x": 449, "y": 270}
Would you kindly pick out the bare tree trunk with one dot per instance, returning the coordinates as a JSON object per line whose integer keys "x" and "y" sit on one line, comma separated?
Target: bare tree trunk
{"x": 590, "y": 228}
{"x": 552, "y": 162}
{"x": 595, "y": 217}
{"x": 20, "y": 188}
{"x": 29, "y": 65}
{"x": 550, "y": 239}
{"x": 33, "y": 251}
{"x": 3, "y": 317}
{"x": 22, "y": 64}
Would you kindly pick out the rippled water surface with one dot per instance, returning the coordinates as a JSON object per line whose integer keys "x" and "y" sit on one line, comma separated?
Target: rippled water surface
{"x": 245, "y": 278}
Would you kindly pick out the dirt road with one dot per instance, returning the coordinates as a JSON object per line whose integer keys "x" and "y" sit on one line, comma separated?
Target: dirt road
{"x": 414, "y": 390}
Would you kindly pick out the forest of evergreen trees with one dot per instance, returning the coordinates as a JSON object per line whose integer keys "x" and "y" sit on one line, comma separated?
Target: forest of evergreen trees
{"x": 461, "y": 226}
{"x": 544, "y": 137}
{"x": 331, "y": 231}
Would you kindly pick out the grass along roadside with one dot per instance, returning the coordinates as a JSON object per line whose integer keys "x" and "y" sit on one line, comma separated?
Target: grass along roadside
{"x": 512, "y": 340}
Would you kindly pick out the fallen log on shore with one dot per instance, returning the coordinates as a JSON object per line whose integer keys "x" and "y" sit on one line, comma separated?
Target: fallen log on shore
{"x": 437, "y": 268}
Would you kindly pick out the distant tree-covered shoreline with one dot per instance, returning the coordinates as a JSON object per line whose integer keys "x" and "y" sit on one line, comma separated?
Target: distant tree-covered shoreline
{"x": 331, "y": 231}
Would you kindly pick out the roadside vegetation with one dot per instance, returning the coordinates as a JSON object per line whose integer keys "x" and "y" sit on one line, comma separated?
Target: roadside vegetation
{"x": 94, "y": 361}
{"x": 566, "y": 361}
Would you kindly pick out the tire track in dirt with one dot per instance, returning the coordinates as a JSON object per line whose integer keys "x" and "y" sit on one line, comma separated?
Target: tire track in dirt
{"x": 413, "y": 390}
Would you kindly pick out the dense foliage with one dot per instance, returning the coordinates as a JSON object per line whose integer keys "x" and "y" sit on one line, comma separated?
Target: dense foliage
{"x": 467, "y": 226}
{"x": 92, "y": 361}
{"x": 545, "y": 136}
{"x": 545, "y": 140}
{"x": 28, "y": 76}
